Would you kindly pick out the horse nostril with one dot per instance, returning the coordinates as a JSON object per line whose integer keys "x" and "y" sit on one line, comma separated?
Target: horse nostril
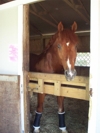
{"x": 70, "y": 74}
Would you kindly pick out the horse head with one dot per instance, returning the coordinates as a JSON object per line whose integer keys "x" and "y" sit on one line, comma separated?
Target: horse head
{"x": 66, "y": 44}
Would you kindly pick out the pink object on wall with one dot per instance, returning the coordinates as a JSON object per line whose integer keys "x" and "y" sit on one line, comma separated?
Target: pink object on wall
{"x": 13, "y": 53}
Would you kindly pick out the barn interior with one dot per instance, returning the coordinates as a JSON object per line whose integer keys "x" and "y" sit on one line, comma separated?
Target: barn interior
{"x": 44, "y": 17}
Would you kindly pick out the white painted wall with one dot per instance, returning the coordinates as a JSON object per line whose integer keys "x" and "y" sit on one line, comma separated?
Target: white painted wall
{"x": 94, "y": 116}
{"x": 20, "y": 65}
{"x": 11, "y": 37}
{"x": 9, "y": 41}
{"x": 17, "y": 3}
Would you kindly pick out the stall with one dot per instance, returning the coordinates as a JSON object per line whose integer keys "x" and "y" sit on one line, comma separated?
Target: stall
{"x": 16, "y": 82}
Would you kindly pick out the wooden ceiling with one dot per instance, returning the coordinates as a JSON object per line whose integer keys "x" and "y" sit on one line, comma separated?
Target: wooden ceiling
{"x": 45, "y": 15}
{"x": 5, "y": 1}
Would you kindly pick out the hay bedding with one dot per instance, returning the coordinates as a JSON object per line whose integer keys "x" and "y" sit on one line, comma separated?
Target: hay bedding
{"x": 76, "y": 117}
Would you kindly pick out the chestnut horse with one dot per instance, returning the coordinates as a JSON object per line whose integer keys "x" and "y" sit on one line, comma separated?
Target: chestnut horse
{"x": 59, "y": 54}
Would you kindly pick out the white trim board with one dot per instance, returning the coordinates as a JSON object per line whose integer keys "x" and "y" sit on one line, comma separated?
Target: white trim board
{"x": 17, "y": 3}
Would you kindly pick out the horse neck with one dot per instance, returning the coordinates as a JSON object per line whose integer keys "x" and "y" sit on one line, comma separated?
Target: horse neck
{"x": 53, "y": 59}
{"x": 47, "y": 61}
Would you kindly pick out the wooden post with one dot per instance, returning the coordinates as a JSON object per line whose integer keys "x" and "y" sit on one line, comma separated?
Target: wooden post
{"x": 26, "y": 66}
{"x": 57, "y": 88}
{"x": 40, "y": 85}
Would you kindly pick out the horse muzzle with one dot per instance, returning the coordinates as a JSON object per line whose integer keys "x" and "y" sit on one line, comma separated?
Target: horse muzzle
{"x": 70, "y": 74}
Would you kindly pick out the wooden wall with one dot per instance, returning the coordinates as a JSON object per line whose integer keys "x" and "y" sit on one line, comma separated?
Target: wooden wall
{"x": 37, "y": 44}
{"x": 84, "y": 43}
{"x": 9, "y": 104}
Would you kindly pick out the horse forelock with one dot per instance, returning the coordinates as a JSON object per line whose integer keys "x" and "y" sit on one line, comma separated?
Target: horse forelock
{"x": 69, "y": 36}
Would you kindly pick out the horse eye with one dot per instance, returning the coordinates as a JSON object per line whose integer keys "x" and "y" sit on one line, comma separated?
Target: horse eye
{"x": 59, "y": 46}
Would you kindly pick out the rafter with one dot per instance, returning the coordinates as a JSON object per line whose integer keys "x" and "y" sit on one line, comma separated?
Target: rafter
{"x": 84, "y": 8}
{"x": 44, "y": 12}
{"x": 34, "y": 8}
{"x": 35, "y": 29}
{"x": 74, "y": 7}
{"x": 49, "y": 22}
{"x": 48, "y": 13}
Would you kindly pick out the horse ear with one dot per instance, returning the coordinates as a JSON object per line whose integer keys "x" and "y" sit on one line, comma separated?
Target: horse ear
{"x": 74, "y": 26}
{"x": 60, "y": 26}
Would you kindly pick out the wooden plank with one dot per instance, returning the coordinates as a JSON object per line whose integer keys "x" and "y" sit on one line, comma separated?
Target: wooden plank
{"x": 78, "y": 81}
{"x": 62, "y": 82}
{"x": 56, "y": 84}
{"x": 26, "y": 67}
{"x": 40, "y": 85}
{"x": 36, "y": 46}
{"x": 60, "y": 77}
{"x": 10, "y": 104}
{"x": 65, "y": 91}
{"x": 57, "y": 87}
{"x": 8, "y": 78}
{"x": 87, "y": 89}
{"x": 74, "y": 93}
{"x": 33, "y": 87}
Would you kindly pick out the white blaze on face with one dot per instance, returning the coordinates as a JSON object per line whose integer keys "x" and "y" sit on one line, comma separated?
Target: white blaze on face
{"x": 67, "y": 43}
{"x": 68, "y": 64}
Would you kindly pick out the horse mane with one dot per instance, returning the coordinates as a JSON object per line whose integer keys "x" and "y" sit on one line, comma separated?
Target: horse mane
{"x": 50, "y": 43}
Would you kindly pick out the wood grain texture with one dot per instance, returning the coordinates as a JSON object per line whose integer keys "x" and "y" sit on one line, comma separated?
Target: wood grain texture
{"x": 9, "y": 105}
{"x": 56, "y": 84}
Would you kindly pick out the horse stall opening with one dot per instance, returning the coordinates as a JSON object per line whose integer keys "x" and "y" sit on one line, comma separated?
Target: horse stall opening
{"x": 76, "y": 92}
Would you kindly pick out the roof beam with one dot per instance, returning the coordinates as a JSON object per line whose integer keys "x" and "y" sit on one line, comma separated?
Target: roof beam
{"x": 74, "y": 7}
{"x": 81, "y": 4}
{"x": 35, "y": 29}
{"x": 48, "y": 13}
{"x": 49, "y": 22}
{"x": 34, "y": 7}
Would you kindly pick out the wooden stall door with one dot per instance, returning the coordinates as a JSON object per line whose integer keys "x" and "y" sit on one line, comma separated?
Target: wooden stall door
{"x": 9, "y": 104}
